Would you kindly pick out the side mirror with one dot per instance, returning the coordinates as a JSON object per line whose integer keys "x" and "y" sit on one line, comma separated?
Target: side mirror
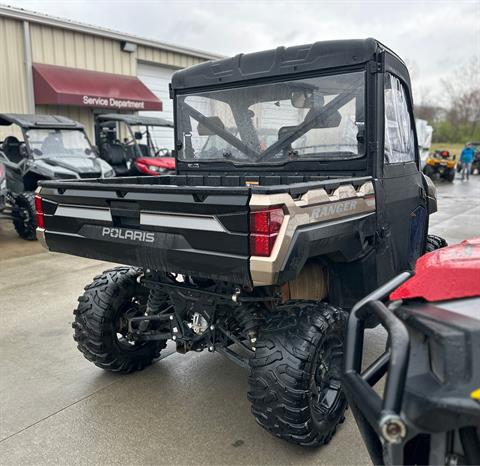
{"x": 213, "y": 121}
{"x": 138, "y": 135}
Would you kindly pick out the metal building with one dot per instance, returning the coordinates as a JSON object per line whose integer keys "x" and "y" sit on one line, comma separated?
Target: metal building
{"x": 55, "y": 66}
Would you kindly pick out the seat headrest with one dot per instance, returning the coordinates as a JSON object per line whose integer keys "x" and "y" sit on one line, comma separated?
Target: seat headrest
{"x": 115, "y": 154}
{"x": 10, "y": 141}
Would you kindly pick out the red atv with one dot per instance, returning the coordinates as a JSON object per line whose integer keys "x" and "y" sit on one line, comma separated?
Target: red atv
{"x": 159, "y": 165}
{"x": 429, "y": 412}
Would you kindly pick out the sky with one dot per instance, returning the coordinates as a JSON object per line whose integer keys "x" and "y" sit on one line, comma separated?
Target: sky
{"x": 434, "y": 37}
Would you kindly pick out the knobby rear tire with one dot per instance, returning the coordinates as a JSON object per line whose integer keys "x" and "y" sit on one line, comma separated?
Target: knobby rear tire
{"x": 286, "y": 359}
{"x": 103, "y": 303}
{"x": 25, "y": 216}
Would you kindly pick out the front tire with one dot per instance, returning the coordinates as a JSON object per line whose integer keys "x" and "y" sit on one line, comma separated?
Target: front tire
{"x": 25, "y": 216}
{"x": 450, "y": 176}
{"x": 100, "y": 322}
{"x": 294, "y": 383}
{"x": 429, "y": 171}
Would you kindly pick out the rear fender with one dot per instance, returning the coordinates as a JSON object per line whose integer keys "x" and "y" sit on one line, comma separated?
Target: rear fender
{"x": 319, "y": 222}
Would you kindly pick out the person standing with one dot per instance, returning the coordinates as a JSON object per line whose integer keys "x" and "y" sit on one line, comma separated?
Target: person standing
{"x": 466, "y": 159}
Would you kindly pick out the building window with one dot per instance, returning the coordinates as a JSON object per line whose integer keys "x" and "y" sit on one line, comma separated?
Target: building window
{"x": 399, "y": 137}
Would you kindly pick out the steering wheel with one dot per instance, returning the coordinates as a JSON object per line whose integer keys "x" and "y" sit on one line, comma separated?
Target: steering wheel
{"x": 163, "y": 152}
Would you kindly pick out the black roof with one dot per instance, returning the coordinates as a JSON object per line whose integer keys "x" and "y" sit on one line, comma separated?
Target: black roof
{"x": 135, "y": 119}
{"x": 281, "y": 61}
{"x": 38, "y": 121}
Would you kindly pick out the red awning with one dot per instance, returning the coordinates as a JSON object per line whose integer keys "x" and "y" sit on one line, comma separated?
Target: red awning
{"x": 57, "y": 85}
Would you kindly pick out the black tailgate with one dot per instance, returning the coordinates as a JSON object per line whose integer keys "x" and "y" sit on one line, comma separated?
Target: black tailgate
{"x": 197, "y": 231}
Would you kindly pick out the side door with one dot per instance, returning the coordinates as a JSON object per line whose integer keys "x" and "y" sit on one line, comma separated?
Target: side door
{"x": 403, "y": 218}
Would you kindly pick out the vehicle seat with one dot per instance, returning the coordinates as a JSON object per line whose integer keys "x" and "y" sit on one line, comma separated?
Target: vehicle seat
{"x": 11, "y": 148}
{"x": 144, "y": 150}
{"x": 53, "y": 144}
{"x": 131, "y": 152}
{"x": 115, "y": 155}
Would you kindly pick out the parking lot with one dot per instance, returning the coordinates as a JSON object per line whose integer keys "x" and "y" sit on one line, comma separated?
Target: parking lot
{"x": 58, "y": 408}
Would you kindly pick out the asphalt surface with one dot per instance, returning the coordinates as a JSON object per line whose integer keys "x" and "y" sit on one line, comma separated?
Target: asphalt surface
{"x": 57, "y": 408}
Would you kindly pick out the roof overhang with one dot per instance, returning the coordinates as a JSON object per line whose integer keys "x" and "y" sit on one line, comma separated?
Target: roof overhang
{"x": 58, "y": 85}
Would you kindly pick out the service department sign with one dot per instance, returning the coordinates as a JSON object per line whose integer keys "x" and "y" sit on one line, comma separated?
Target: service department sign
{"x": 111, "y": 102}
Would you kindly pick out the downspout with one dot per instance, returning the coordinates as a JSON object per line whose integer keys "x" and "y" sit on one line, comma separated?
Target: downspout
{"x": 28, "y": 67}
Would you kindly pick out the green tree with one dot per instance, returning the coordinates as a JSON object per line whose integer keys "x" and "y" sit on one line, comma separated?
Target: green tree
{"x": 462, "y": 93}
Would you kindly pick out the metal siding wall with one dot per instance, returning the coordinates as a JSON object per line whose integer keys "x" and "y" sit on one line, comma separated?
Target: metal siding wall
{"x": 165, "y": 57}
{"x": 81, "y": 114}
{"x": 61, "y": 47}
{"x": 13, "y": 82}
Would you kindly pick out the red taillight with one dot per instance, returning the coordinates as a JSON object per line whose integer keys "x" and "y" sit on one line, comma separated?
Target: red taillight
{"x": 264, "y": 228}
{"x": 39, "y": 209}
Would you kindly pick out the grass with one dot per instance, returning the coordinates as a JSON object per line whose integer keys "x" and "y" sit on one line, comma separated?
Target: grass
{"x": 453, "y": 148}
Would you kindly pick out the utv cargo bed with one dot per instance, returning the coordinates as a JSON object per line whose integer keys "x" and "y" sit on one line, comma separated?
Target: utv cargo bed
{"x": 188, "y": 224}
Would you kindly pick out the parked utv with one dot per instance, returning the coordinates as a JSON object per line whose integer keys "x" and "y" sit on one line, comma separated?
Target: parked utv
{"x": 138, "y": 154}
{"x": 257, "y": 252}
{"x": 429, "y": 412}
{"x": 441, "y": 164}
{"x": 52, "y": 147}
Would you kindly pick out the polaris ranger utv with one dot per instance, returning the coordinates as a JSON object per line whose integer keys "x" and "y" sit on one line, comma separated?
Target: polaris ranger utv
{"x": 53, "y": 147}
{"x": 257, "y": 252}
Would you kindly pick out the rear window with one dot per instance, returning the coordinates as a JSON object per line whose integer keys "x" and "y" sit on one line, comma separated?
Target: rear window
{"x": 320, "y": 118}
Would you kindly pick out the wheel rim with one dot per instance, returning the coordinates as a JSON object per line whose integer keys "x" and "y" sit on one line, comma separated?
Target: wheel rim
{"x": 325, "y": 380}
{"x": 132, "y": 308}
{"x": 25, "y": 214}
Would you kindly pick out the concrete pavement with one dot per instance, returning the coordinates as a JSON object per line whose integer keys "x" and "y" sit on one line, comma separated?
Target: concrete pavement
{"x": 458, "y": 215}
{"x": 57, "y": 408}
